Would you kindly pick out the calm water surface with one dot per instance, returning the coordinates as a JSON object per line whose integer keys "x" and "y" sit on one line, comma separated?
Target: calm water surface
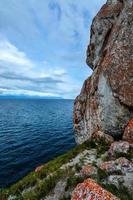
{"x": 31, "y": 133}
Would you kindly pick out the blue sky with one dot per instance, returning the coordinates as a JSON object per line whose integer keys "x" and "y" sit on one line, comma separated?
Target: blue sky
{"x": 43, "y": 46}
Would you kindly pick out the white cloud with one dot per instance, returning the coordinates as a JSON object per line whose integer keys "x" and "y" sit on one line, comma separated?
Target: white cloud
{"x": 27, "y": 93}
{"x": 19, "y": 75}
{"x": 9, "y": 53}
{"x": 47, "y": 41}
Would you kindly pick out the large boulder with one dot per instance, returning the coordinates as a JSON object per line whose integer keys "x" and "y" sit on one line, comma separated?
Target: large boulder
{"x": 117, "y": 148}
{"x": 121, "y": 165}
{"x": 89, "y": 189}
{"x": 106, "y": 99}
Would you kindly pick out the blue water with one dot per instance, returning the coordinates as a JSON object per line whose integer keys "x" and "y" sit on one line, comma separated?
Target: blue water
{"x": 31, "y": 133}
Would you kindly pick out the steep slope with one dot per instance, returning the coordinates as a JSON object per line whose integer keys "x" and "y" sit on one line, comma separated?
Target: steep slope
{"x": 106, "y": 99}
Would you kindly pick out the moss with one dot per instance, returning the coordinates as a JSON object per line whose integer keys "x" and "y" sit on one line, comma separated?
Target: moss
{"x": 128, "y": 155}
{"x": 44, "y": 187}
{"x": 102, "y": 147}
{"x": 5, "y": 196}
{"x": 31, "y": 195}
{"x": 94, "y": 163}
{"x": 78, "y": 167}
{"x": 55, "y": 164}
{"x": 73, "y": 181}
{"x": 101, "y": 174}
{"x": 122, "y": 192}
{"x": 26, "y": 182}
{"x": 65, "y": 198}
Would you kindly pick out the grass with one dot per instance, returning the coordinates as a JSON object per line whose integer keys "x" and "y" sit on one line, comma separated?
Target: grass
{"x": 101, "y": 174}
{"x": 37, "y": 185}
{"x": 128, "y": 155}
{"x": 122, "y": 192}
{"x": 39, "y": 180}
{"x": 78, "y": 167}
{"x": 65, "y": 198}
{"x": 72, "y": 181}
{"x": 42, "y": 188}
{"x": 102, "y": 147}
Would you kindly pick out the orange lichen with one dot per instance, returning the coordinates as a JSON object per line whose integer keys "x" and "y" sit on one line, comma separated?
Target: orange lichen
{"x": 88, "y": 170}
{"x": 90, "y": 190}
{"x": 130, "y": 123}
{"x": 109, "y": 166}
{"x": 128, "y": 133}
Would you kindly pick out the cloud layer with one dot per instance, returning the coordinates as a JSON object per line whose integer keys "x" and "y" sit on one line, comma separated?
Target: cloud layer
{"x": 42, "y": 46}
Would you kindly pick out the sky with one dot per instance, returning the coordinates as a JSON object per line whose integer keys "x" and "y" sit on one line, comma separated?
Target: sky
{"x": 43, "y": 46}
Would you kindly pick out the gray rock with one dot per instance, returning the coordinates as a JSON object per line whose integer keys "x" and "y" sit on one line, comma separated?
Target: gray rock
{"x": 106, "y": 99}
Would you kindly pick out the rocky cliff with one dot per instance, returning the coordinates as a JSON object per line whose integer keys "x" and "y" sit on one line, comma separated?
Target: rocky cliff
{"x": 106, "y": 99}
{"x": 100, "y": 168}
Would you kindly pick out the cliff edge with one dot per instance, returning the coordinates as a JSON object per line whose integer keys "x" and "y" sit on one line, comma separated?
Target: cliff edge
{"x": 106, "y": 99}
{"x": 99, "y": 168}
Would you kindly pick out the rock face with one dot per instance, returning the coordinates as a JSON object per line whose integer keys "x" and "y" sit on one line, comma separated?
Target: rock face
{"x": 89, "y": 189}
{"x": 121, "y": 147}
{"x": 100, "y": 136}
{"x": 121, "y": 165}
{"x": 128, "y": 133}
{"x": 106, "y": 99}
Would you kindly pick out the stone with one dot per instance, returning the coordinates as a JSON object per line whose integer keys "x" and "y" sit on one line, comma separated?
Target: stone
{"x": 99, "y": 136}
{"x": 58, "y": 192}
{"x": 109, "y": 166}
{"x": 128, "y": 182}
{"x": 116, "y": 148}
{"x": 39, "y": 168}
{"x": 89, "y": 189}
{"x": 122, "y": 180}
{"x": 106, "y": 99}
{"x": 124, "y": 165}
{"x": 121, "y": 165}
{"x": 116, "y": 180}
{"x": 88, "y": 171}
{"x": 128, "y": 133}
{"x": 11, "y": 197}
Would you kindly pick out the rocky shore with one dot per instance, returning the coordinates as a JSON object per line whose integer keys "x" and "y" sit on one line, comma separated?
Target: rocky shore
{"x": 101, "y": 166}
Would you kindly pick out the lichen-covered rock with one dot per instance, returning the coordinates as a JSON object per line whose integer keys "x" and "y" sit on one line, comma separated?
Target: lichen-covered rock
{"x": 100, "y": 137}
{"x": 121, "y": 165}
{"x": 128, "y": 182}
{"x": 88, "y": 171}
{"x": 106, "y": 99}
{"x": 116, "y": 180}
{"x": 122, "y": 180}
{"x": 109, "y": 166}
{"x": 116, "y": 148}
{"x": 128, "y": 133}
{"x": 124, "y": 165}
{"x": 89, "y": 189}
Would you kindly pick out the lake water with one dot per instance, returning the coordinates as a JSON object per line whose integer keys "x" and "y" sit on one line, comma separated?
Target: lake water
{"x": 31, "y": 133}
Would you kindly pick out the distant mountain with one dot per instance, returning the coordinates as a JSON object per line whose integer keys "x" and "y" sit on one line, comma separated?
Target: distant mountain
{"x": 27, "y": 97}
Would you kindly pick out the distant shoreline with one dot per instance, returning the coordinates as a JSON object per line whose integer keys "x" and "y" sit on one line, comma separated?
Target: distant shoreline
{"x": 32, "y": 98}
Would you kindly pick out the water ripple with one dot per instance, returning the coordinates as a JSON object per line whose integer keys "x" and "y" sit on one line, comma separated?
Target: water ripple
{"x": 32, "y": 132}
